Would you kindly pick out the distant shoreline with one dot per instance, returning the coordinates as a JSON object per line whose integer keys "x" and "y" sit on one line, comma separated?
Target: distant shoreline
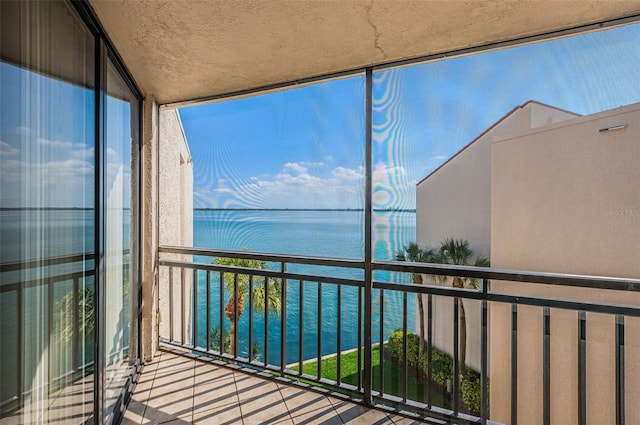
{"x": 47, "y": 209}
{"x": 216, "y": 209}
{"x": 306, "y": 209}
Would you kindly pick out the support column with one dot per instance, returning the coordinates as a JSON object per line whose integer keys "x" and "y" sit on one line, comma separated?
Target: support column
{"x": 149, "y": 242}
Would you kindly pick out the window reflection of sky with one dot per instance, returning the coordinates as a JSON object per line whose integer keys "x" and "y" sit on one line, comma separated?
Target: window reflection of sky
{"x": 47, "y": 141}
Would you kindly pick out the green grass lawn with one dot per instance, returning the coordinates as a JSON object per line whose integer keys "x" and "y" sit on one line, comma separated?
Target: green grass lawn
{"x": 393, "y": 376}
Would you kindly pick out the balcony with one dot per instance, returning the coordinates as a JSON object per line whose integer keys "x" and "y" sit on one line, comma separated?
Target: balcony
{"x": 194, "y": 380}
{"x": 183, "y": 390}
{"x": 531, "y": 348}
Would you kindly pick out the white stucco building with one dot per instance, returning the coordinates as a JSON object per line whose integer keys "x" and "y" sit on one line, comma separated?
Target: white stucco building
{"x": 544, "y": 190}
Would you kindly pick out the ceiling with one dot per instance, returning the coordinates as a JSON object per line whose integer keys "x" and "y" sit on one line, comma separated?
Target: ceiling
{"x": 181, "y": 50}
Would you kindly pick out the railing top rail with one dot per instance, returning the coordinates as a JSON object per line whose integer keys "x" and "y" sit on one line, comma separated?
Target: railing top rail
{"x": 562, "y": 279}
{"x": 559, "y": 279}
{"x": 279, "y": 258}
{"x": 44, "y": 262}
{"x": 474, "y": 294}
{"x": 262, "y": 272}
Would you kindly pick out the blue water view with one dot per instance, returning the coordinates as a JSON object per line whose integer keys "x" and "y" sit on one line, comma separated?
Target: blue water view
{"x": 323, "y": 233}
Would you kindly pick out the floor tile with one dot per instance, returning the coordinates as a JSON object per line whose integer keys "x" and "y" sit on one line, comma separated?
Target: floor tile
{"x": 229, "y": 414}
{"x": 180, "y": 390}
{"x": 300, "y": 401}
{"x": 355, "y": 414}
{"x": 320, "y": 416}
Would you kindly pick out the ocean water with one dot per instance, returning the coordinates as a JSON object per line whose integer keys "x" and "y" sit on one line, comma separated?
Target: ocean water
{"x": 324, "y": 233}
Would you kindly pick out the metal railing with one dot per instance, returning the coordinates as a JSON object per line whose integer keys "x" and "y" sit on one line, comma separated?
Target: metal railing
{"x": 183, "y": 316}
{"x": 44, "y": 276}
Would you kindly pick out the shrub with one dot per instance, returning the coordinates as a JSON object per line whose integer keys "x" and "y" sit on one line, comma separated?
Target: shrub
{"x": 471, "y": 391}
{"x": 395, "y": 344}
{"x": 441, "y": 365}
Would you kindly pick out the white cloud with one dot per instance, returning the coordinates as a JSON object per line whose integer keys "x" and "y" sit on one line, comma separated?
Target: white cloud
{"x": 58, "y": 144}
{"x": 312, "y": 164}
{"x": 296, "y": 187}
{"x": 54, "y": 183}
{"x": 383, "y": 172}
{"x": 348, "y": 174}
{"x": 295, "y": 167}
{"x": 6, "y": 149}
{"x": 82, "y": 153}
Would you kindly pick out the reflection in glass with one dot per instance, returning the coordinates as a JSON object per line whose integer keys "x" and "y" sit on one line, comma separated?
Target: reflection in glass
{"x": 120, "y": 205}
{"x": 47, "y": 316}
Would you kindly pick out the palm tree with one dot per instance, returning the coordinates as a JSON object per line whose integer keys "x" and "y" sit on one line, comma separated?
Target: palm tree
{"x": 274, "y": 296}
{"x": 457, "y": 252}
{"x": 215, "y": 343}
{"x": 413, "y": 253}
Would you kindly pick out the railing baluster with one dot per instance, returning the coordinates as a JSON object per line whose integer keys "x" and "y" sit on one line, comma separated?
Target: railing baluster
{"x": 339, "y": 336}
{"x": 620, "y": 391}
{"x": 221, "y": 281}
{"x": 183, "y": 311}
{"x": 301, "y": 328}
{"x": 171, "y": 304}
{"x": 359, "y": 339}
{"x": 283, "y": 318}
{"x": 456, "y": 366}
{"x": 234, "y": 325}
{"x": 319, "y": 342}
{"x": 381, "y": 346}
{"x": 194, "y": 315}
{"x": 514, "y": 364}
{"x": 582, "y": 368}
{"x": 208, "y": 312}
{"x": 404, "y": 347}
{"x": 20, "y": 299}
{"x": 546, "y": 368}
{"x": 250, "y": 318}
{"x": 75, "y": 364}
{"x": 484, "y": 379}
{"x": 266, "y": 320}
{"x": 50, "y": 330}
{"x": 429, "y": 349}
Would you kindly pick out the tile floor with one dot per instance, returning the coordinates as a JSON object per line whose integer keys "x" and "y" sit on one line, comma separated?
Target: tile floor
{"x": 180, "y": 390}
{"x": 71, "y": 404}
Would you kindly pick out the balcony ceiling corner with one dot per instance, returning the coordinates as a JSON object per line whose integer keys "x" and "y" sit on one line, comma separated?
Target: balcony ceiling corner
{"x": 183, "y": 50}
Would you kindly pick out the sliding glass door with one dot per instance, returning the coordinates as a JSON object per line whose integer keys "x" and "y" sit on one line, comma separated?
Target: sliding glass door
{"x": 47, "y": 199}
{"x": 69, "y": 137}
{"x": 120, "y": 235}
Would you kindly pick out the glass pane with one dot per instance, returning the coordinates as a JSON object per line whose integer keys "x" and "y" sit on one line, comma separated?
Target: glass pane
{"x": 120, "y": 236}
{"x": 279, "y": 172}
{"x": 523, "y": 157}
{"x": 287, "y": 162}
{"x": 47, "y": 187}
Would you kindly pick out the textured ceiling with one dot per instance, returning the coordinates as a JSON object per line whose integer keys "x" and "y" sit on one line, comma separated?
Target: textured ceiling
{"x": 182, "y": 50}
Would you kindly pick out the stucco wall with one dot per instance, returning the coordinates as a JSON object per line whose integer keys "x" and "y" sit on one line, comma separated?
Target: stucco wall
{"x": 566, "y": 198}
{"x": 149, "y": 222}
{"x": 455, "y": 202}
{"x": 175, "y": 219}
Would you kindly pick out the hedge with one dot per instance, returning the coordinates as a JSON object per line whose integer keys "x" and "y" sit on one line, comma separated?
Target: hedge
{"x": 441, "y": 367}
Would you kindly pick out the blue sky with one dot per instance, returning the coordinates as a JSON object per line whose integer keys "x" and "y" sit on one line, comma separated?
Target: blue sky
{"x": 47, "y": 143}
{"x": 300, "y": 148}
{"x": 303, "y": 148}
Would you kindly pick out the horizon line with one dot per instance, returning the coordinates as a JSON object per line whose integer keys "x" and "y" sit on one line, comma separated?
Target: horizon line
{"x": 305, "y": 209}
